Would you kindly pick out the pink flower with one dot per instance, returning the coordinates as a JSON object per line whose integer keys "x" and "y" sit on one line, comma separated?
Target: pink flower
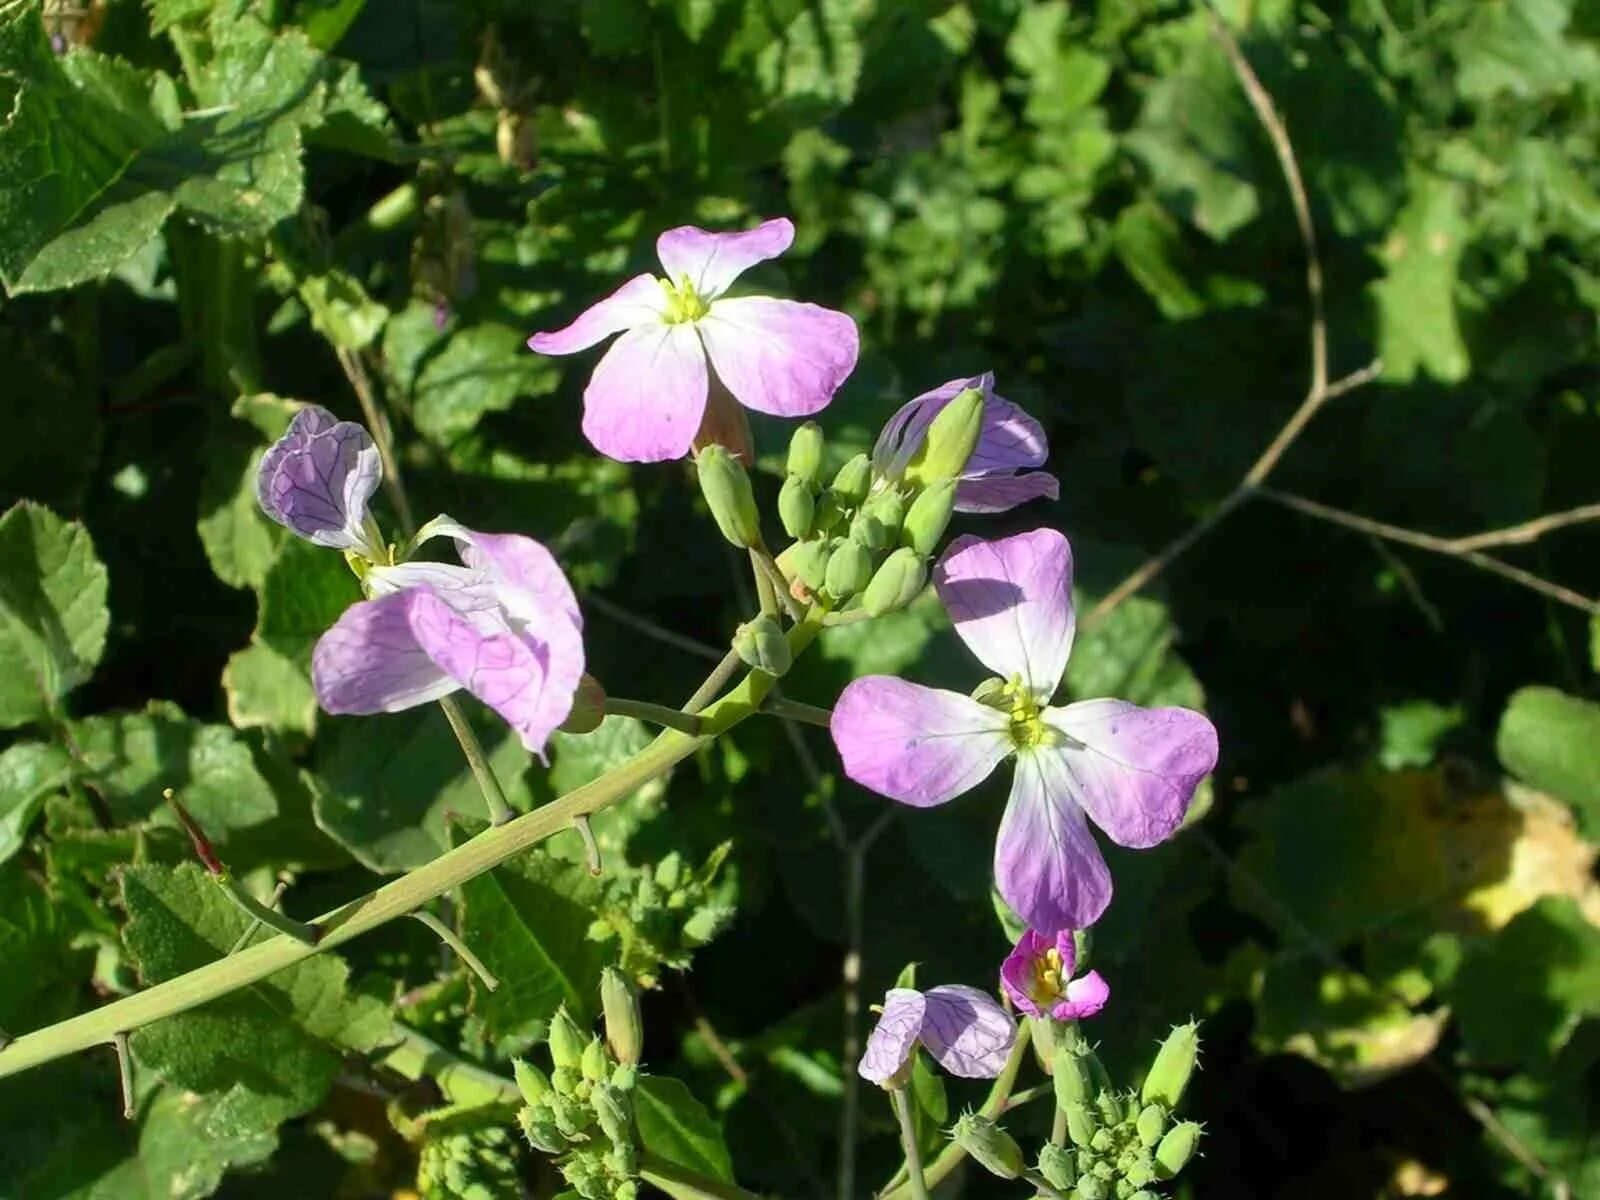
{"x": 646, "y": 398}
{"x": 966, "y": 1031}
{"x": 1037, "y": 975}
{"x": 1132, "y": 771}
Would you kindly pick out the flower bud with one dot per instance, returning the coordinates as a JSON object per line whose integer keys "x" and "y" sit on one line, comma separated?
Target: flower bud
{"x": 565, "y": 1080}
{"x": 796, "y": 507}
{"x": 706, "y": 922}
{"x": 760, "y": 644}
{"x": 853, "y": 479}
{"x": 1055, "y": 1164}
{"x": 928, "y": 517}
{"x": 1177, "y": 1148}
{"x": 952, "y": 437}
{"x": 882, "y": 516}
{"x": 533, "y": 1083}
{"x": 571, "y": 1118}
{"x": 1090, "y": 1188}
{"x": 541, "y": 1131}
{"x": 1080, "y": 1124}
{"x": 623, "y": 1160}
{"x": 849, "y": 569}
{"x": 626, "y": 1190}
{"x": 1102, "y": 1141}
{"x": 830, "y": 508}
{"x": 624, "y": 1027}
{"x": 1144, "y": 1194}
{"x": 805, "y": 453}
{"x": 896, "y": 583}
{"x": 567, "y": 1042}
{"x": 624, "y": 1077}
{"x": 588, "y": 707}
{"x": 989, "y": 1146}
{"x": 728, "y": 495}
{"x": 807, "y": 562}
{"x": 595, "y": 1065}
{"x": 612, "y": 1110}
{"x": 669, "y": 872}
{"x": 1112, "y": 1110}
{"x": 1073, "y": 1081}
{"x": 1141, "y": 1171}
{"x": 1152, "y": 1124}
{"x": 1174, "y": 1064}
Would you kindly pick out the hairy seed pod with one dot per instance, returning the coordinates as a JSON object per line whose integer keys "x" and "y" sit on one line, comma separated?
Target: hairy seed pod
{"x": 797, "y": 507}
{"x": 989, "y": 1146}
{"x": 1174, "y": 1065}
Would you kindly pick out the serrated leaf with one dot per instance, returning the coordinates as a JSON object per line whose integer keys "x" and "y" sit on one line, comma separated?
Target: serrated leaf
{"x": 675, "y": 1126}
{"x": 29, "y": 771}
{"x": 1418, "y": 330}
{"x": 53, "y": 614}
{"x": 1552, "y": 741}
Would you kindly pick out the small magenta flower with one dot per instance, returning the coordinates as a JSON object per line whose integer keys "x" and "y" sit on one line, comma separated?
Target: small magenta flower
{"x": 965, "y": 1030}
{"x": 647, "y": 397}
{"x": 504, "y": 625}
{"x": 1132, "y": 770}
{"x": 996, "y": 476}
{"x": 1037, "y": 975}
{"x": 317, "y": 479}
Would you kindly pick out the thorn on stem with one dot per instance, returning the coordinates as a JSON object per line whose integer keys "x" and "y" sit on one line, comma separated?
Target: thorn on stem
{"x": 125, "y": 1074}
{"x": 449, "y": 937}
{"x": 591, "y": 848}
{"x": 203, "y": 849}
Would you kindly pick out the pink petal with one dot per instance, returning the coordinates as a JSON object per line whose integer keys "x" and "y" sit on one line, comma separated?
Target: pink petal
{"x": 1084, "y": 998}
{"x": 1046, "y": 864}
{"x": 914, "y": 744}
{"x": 1017, "y": 972}
{"x": 894, "y": 1038}
{"x": 647, "y": 395}
{"x": 1135, "y": 769}
{"x": 1010, "y": 438}
{"x": 714, "y": 260}
{"x": 640, "y": 301}
{"x": 1011, "y": 601}
{"x": 967, "y": 1031}
{"x": 779, "y": 356}
{"x": 369, "y": 661}
{"x": 529, "y": 581}
{"x": 998, "y": 493}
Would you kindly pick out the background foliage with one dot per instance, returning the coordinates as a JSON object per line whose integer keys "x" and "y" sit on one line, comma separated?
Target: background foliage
{"x": 1388, "y": 915}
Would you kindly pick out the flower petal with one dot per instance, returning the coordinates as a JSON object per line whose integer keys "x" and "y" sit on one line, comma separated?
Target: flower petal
{"x": 915, "y": 744}
{"x": 369, "y": 661}
{"x": 892, "y": 1041}
{"x": 779, "y": 357}
{"x": 998, "y": 493}
{"x": 1018, "y": 972}
{"x": 967, "y": 1031}
{"x": 640, "y": 301}
{"x": 1011, "y": 601}
{"x": 904, "y": 432}
{"x": 1009, "y": 439}
{"x": 529, "y": 581}
{"x": 1046, "y": 864}
{"x": 646, "y": 396}
{"x": 712, "y": 261}
{"x": 318, "y": 478}
{"x": 1084, "y": 998}
{"x": 1135, "y": 769}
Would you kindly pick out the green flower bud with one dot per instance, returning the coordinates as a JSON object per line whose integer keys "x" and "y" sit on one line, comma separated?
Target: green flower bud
{"x": 849, "y": 569}
{"x": 888, "y": 508}
{"x": 807, "y": 562}
{"x": 669, "y": 872}
{"x": 1102, "y": 1141}
{"x": 623, "y": 1160}
{"x": 533, "y": 1083}
{"x": 853, "y": 479}
{"x": 896, "y": 583}
{"x": 1174, "y": 1064}
{"x": 1177, "y": 1148}
{"x": 928, "y": 517}
{"x": 1080, "y": 1124}
{"x": 831, "y": 508}
{"x": 1111, "y": 1107}
{"x": 1105, "y": 1171}
{"x": 1140, "y": 1172}
{"x": 706, "y": 922}
{"x": 612, "y": 1110}
{"x": 989, "y": 1146}
{"x": 571, "y": 1118}
{"x": 595, "y": 1065}
{"x": 805, "y": 453}
{"x": 624, "y": 1027}
{"x": 1073, "y": 1081}
{"x": 1055, "y": 1164}
{"x": 540, "y": 1131}
{"x": 728, "y": 494}
{"x": 567, "y": 1041}
{"x": 951, "y": 439}
{"x": 1152, "y": 1124}
{"x": 624, "y": 1077}
{"x": 1090, "y": 1188}
{"x": 760, "y": 644}
{"x": 797, "y": 507}
{"x": 1142, "y": 1194}
{"x": 626, "y": 1190}
{"x": 566, "y": 1080}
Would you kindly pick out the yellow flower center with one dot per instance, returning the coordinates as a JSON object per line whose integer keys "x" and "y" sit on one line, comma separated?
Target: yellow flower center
{"x": 683, "y": 302}
{"x": 1047, "y": 979}
{"x": 1027, "y": 729}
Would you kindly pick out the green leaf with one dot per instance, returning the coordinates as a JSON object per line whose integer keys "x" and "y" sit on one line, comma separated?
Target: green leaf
{"x": 675, "y": 1126}
{"x": 53, "y": 614}
{"x": 1130, "y": 655}
{"x": 29, "y": 771}
{"x": 1411, "y": 732}
{"x": 44, "y": 968}
{"x": 1519, "y": 47}
{"x": 579, "y": 758}
{"x": 1147, "y": 242}
{"x": 266, "y": 687}
{"x": 342, "y": 311}
{"x": 1418, "y": 329}
{"x": 482, "y": 369}
{"x": 240, "y": 542}
{"x": 1594, "y": 641}
{"x": 1552, "y": 741}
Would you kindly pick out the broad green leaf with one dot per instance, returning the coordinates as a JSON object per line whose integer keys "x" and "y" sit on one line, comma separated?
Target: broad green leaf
{"x": 1129, "y": 655}
{"x": 53, "y": 614}
{"x": 1418, "y": 330}
{"x": 1552, "y": 741}
{"x": 342, "y": 311}
{"x": 266, "y": 687}
{"x": 44, "y": 968}
{"x": 1520, "y": 48}
{"x": 889, "y": 644}
{"x": 695, "y": 16}
{"x": 1147, "y": 242}
{"x": 482, "y": 369}
{"x": 29, "y": 771}
{"x": 675, "y": 1126}
{"x": 240, "y": 542}
{"x": 1411, "y": 732}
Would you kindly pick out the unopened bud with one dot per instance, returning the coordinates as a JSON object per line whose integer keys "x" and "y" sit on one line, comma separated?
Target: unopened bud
{"x": 1073, "y": 1081}
{"x": 571, "y": 1117}
{"x": 567, "y": 1041}
{"x": 830, "y": 509}
{"x": 1140, "y": 1172}
{"x": 728, "y": 495}
{"x": 1177, "y": 1148}
{"x": 541, "y": 1131}
{"x": 623, "y": 1160}
{"x": 929, "y": 516}
{"x": 624, "y": 1077}
{"x": 796, "y": 507}
{"x": 1055, "y": 1164}
{"x": 853, "y": 479}
{"x": 952, "y": 437}
{"x": 565, "y": 1080}
{"x": 669, "y": 872}
{"x": 588, "y": 707}
{"x": 807, "y": 562}
{"x": 1174, "y": 1064}
{"x": 1090, "y": 1188}
{"x": 849, "y": 569}
{"x": 707, "y": 921}
{"x": 760, "y": 644}
{"x": 626, "y": 1190}
{"x": 595, "y": 1065}
{"x": 1080, "y": 1124}
{"x": 880, "y": 519}
{"x": 611, "y": 1109}
{"x": 989, "y": 1146}
{"x": 1152, "y": 1124}
{"x": 896, "y": 583}
{"x": 1102, "y": 1141}
{"x": 1144, "y": 1194}
{"x": 1111, "y": 1107}
{"x": 533, "y": 1083}
{"x": 805, "y": 453}
{"x": 624, "y": 1026}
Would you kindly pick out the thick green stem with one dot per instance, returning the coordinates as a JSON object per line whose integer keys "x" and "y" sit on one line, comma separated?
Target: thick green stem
{"x": 684, "y": 1184}
{"x": 908, "y": 1139}
{"x": 499, "y": 811}
{"x": 656, "y": 714}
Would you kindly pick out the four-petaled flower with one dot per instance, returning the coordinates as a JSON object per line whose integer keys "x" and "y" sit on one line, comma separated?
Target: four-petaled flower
{"x": 504, "y": 625}
{"x": 316, "y": 481}
{"x": 1037, "y": 975}
{"x": 997, "y": 476}
{"x": 647, "y": 396}
{"x": 965, "y": 1030}
{"x": 1132, "y": 770}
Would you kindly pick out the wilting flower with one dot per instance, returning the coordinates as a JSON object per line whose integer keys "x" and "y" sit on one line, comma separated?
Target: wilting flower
{"x": 1037, "y": 975}
{"x": 647, "y": 397}
{"x": 965, "y": 1030}
{"x": 504, "y": 625}
{"x": 1132, "y": 770}
{"x": 996, "y": 477}
{"x": 316, "y": 481}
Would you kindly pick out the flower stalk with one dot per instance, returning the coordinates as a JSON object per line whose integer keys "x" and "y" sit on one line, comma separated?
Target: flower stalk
{"x": 908, "y": 1139}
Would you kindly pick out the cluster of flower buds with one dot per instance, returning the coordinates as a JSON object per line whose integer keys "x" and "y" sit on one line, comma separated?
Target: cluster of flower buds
{"x": 464, "y": 1164}
{"x": 583, "y": 1110}
{"x": 663, "y": 914}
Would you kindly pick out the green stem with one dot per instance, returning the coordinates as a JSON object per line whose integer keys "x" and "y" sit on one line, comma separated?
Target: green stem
{"x": 499, "y": 811}
{"x": 462, "y": 951}
{"x": 306, "y": 933}
{"x": 779, "y": 706}
{"x": 715, "y": 682}
{"x": 656, "y": 714}
{"x": 254, "y": 927}
{"x": 130, "y": 1108}
{"x": 1041, "y": 1184}
{"x": 764, "y": 592}
{"x": 450, "y": 870}
{"x": 684, "y": 1184}
{"x": 908, "y": 1139}
{"x": 415, "y": 1057}
{"x": 766, "y": 565}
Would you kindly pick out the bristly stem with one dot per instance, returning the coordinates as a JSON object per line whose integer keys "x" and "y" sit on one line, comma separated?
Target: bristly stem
{"x": 656, "y": 714}
{"x": 908, "y": 1139}
{"x": 499, "y": 811}
{"x": 462, "y": 951}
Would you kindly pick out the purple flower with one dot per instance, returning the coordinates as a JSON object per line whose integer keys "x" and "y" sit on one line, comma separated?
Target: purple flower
{"x": 504, "y": 625}
{"x": 964, "y": 1029}
{"x": 646, "y": 398}
{"x": 316, "y": 481}
{"x": 1037, "y": 975}
{"x": 1131, "y": 770}
{"x": 1010, "y": 440}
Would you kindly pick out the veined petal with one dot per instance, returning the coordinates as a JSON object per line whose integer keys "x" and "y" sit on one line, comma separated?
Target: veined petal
{"x": 894, "y": 1038}
{"x": 1018, "y": 972}
{"x": 712, "y": 261}
{"x": 1133, "y": 770}
{"x": 371, "y": 662}
{"x": 1084, "y": 997}
{"x": 317, "y": 479}
{"x": 640, "y": 301}
{"x": 967, "y": 1031}
{"x": 527, "y": 578}
{"x": 779, "y": 357}
{"x": 904, "y": 432}
{"x": 915, "y": 744}
{"x": 1011, "y": 601}
{"x": 1046, "y": 864}
{"x": 1009, "y": 439}
{"x": 999, "y": 493}
{"x": 647, "y": 395}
